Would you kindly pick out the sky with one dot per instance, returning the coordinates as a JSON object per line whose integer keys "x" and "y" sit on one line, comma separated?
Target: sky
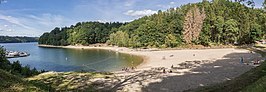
{"x": 34, "y": 17}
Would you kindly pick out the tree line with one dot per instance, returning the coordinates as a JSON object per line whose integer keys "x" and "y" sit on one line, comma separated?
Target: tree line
{"x": 205, "y": 23}
{"x": 17, "y": 39}
{"x": 83, "y": 33}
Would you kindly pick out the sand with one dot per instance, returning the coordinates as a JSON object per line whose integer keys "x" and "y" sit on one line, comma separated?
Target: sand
{"x": 198, "y": 68}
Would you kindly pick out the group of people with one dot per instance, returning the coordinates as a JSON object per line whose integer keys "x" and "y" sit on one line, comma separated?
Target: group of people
{"x": 127, "y": 69}
{"x": 170, "y": 71}
{"x": 255, "y": 61}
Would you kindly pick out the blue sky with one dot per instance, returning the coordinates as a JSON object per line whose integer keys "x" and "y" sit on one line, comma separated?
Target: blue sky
{"x": 34, "y": 17}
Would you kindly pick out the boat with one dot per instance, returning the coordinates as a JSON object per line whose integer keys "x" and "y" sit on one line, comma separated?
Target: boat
{"x": 15, "y": 54}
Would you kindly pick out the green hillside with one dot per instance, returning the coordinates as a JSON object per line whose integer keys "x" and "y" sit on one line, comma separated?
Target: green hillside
{"x": 17, "y": 39}
{"x": 205, "y": 23}
{"x": 12, "y": 83}
{"x": 83, "y": 33}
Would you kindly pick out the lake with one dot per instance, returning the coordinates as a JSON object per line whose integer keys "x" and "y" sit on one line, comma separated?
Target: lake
{"x": 62, "y": 60}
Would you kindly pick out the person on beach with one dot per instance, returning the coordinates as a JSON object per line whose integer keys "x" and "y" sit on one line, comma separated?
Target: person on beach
{"x": 164, "y": 71}
{"x": 163, "y": 58}
{"x": 241, "y": 60}
{"x": 256, "y": 62}
{"x": 170, "y": 71}
{"x": 172, "y": 66}
{"x": 132, "y": 68}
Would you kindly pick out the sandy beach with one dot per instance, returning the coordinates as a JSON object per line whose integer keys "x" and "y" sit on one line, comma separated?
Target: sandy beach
{"x": 189, "y": 68}
{"x": 167, "y": 58}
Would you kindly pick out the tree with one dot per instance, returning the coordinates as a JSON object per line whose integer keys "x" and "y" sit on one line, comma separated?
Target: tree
{"x": 193, "y": 24}
{"x": 171, "y": 41}
{"x": 219, "y": 25}
{"x": 84, "y": 33}
{"x": 119, "y": 38}
{"x": 204, "y": 23}
{"x": 4, "y": 63}
{"x": 231, "y": 31}
{"x": 255, "y": 32}
{"x": 16, "y": 67}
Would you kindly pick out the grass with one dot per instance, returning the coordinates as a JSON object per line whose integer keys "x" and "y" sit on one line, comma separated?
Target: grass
{"x": 50, "y": 82}
{"x": 252, "y": 81}
{"x": 12, "y": 83}
{"x": 69, "y": 81}
{"x": 258, "y": 86}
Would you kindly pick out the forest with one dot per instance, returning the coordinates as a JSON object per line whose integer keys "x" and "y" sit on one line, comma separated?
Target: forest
{"x": 216, "y": 22}
{"x": 83, "y": 33}
{"x": 17, "y": 39}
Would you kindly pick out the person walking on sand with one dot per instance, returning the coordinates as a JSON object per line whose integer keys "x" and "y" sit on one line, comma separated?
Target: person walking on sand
{"x": 164, "y": 71}
{"x": 241, "y": 60}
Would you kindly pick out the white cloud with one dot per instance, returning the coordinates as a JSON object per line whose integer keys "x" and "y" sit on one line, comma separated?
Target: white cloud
{"x": 13, "y": 20}
{"x": 48, "y": 19}
{"x": 140, "y": 13}
{"x": 3, "y": 1}
{"x": 31, "y": 25}
{"x": 9, "y": 30}
{"x": 167, "y": 6}
{"x": 129, "y": 3}
{"x": 171, "y": 3}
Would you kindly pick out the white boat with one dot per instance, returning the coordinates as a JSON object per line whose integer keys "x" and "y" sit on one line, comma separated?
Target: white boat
{"x": 11, "y": 54}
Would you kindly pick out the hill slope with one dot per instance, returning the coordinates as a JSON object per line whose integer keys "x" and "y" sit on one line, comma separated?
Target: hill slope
{"x": 221, "y": 22}
{"x": 12, "y": 83}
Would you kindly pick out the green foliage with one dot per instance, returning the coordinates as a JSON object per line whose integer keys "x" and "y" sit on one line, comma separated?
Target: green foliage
{"x": 231, "y": 31}
{"x": 171, "y": 41}
{"x": 119, "y": 38}
{"x": 13, "y": 83}
{"x": 84, "y": 33}
{"x": 255, "y": 32}
{"x": 225, "y": 22}
{"x": 17, "y": 39}
{"x": 152, "y": 31}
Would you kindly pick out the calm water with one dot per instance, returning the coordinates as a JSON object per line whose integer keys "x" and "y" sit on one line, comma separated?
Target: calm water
{"x": 57, "y": 59}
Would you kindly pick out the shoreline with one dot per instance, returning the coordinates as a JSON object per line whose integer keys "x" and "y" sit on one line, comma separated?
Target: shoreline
{"x": 115, "y": 49}
{"x": 201, "y": 67}
{"x": 155, "y": 57}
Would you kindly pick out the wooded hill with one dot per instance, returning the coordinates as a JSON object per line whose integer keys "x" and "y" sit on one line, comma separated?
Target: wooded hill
{"x": 83, "y": 33}
{"x": 17, "y": 39}
{"x": 205, "y": 23}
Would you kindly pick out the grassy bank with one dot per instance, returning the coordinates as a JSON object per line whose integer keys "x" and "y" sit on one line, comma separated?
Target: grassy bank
{"x": 12, "y": 83}
{"x": 53, "y": 81}
{"x": 71, "y": 81}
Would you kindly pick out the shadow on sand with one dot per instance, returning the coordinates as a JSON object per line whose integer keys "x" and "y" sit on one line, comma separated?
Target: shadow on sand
{"x": 206, "y": 74}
